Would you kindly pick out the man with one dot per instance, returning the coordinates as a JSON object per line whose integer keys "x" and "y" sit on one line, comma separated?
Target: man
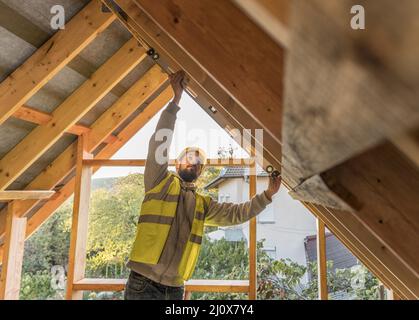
{"x": 173, "y": 214}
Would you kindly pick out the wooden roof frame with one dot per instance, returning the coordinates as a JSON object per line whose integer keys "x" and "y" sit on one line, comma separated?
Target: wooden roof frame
{"x": 372, "y": 241}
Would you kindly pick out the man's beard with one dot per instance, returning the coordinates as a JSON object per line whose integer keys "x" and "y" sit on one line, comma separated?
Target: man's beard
{"x": 188, "y": 176}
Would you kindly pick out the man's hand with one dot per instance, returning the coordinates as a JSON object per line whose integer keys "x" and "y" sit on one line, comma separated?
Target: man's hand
{"x": 274, "y": 184}
{"x": 177, "y": 81}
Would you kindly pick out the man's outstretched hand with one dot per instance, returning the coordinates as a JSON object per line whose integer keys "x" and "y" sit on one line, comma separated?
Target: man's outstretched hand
{"x": 274, "y": 184}
{"x": 177, "y": 81}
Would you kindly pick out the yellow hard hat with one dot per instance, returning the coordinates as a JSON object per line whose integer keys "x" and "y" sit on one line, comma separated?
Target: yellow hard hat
{"x": 200, "y": 153}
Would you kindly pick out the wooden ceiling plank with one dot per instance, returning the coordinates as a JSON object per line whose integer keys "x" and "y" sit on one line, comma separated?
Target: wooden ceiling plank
{"x": 255, "y": 62}
{"x": 386, "y": 187}
{"x": 70, "y": 111}
{"x": 206, "y": 92}
{"x": 271, "y": 15}
{"x": 48, "y": 60}
{"x": 102, "y": 128}
{"x": 347, "y": 90}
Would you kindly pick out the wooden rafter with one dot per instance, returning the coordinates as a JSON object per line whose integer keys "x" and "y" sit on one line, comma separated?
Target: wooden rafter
{"x": 69, "y": 112}
{"x": 43, "y": 213}
{"x": 140, "y": 91}
{"x": 48, "y": 60}
{"x": 254, "y": 73}
{"x": 204, "y": 89}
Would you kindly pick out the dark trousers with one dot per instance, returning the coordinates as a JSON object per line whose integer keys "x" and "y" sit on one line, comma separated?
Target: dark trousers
{"x": 141, "y": 288}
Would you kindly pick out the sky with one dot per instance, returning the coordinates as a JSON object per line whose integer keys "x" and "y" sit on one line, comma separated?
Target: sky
{"x": 194, "y": 127}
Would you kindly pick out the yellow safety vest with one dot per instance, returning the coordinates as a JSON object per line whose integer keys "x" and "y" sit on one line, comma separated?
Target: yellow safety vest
{"x": 157, "y": 213}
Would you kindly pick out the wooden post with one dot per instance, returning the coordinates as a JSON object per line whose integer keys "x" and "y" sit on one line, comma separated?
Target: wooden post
{"x": 252, "y": 235}
{"x": 78, "y": 239}
{"x": 321, "y": 260}
{"x": 188, "y": 295}
{"x": 13, "y": 254}
{"x": 391, "y": 295}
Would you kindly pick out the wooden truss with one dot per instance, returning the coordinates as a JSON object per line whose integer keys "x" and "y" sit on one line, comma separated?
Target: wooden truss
{"x": 76, "y": 281}
{"x": 352, "y": 162}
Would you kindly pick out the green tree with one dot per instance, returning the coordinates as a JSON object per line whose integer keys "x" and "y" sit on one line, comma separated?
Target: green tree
{"x": 48, "y": 247}
{"x": 112, "y": 226}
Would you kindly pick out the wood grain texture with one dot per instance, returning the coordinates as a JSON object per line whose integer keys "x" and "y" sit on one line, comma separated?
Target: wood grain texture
{"x": 386, "y": 187}
{"x": 321, "y": 260}
{"x": 25, "y": 194}
{"x": 12, "y": 259}
{"x": 207, "y": 92}
{"x": 48, "y": 60}
{"x": 79, "y": 225}
{"x": 346, "y": 90}
{"x": 271, "y": 15}
{"x": 236, "y": 53}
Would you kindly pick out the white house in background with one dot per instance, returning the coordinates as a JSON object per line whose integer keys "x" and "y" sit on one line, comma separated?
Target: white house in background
{"x": 286, "y": 225}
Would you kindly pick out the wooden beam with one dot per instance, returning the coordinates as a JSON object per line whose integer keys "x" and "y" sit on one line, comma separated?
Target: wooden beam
{"x": 25, "y": 194}
{"x": 252, "y": 237}
{"x": 351, "y": 92}
{"x": 240, "y": 286}
{"x": 271, "y": 15}
{"x": 247, "y": 64}
{"x": 43, "y": 213}
{"x": 208, "y": 93}
{"x": 42, "y": 118}
{"x": 69, "y": 112}
{"x": 79, "y": 226}
{"x": 101, "y": 130}
{"x": 321, "y": 260}
{"x": 47, "y": 61}
{"x": 13, "y": 255}
{"x": 32, "y": 115}
{"x": 205, "y": 285}
{"x": 385, "y": 186}
{"x": 142, "y": 162}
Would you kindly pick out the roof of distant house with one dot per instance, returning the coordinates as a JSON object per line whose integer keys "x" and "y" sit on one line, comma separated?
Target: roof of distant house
{"x": 234, "y": 172}
{"x": 335, "y": 251}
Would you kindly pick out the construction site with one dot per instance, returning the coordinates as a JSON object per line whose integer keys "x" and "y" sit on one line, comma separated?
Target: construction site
{"x": 326, "y": 91}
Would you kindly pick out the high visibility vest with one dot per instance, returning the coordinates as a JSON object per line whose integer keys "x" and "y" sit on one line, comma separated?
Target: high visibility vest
{"x": 157, "y": 214}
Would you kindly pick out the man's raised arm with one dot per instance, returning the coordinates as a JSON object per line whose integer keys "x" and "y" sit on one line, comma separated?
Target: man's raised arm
{"x": 228, "y": 214}
{"x": 156, "y": 167}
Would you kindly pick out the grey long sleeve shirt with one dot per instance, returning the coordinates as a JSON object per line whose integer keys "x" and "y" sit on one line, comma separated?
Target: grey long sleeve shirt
{"x": 218, "y": 214}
